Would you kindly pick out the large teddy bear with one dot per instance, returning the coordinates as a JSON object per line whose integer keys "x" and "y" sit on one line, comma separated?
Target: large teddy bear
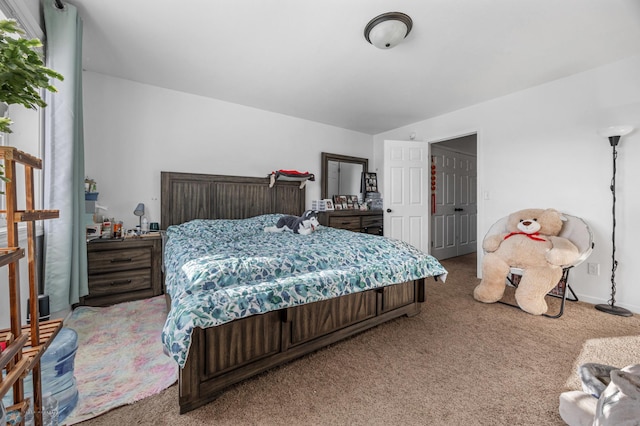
{"x": 531, "y": 244}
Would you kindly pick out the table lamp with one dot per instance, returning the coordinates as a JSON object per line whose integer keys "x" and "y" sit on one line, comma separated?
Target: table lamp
{"x": 139, "y": 211}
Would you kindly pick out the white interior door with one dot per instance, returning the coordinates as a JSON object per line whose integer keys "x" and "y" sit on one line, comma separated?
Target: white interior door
{"x": 454, "y": 216}
{"x": 406, "y": 192}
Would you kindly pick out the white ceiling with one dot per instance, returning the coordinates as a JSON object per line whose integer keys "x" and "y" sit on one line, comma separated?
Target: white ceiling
{"x": 309, "y": 59}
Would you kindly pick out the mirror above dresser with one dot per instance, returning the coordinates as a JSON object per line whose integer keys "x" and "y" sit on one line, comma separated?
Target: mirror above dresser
{"x": 342, "y": 175}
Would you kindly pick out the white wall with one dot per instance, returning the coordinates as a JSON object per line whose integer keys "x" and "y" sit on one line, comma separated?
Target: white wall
{"x": 134, "y": 131}
{"x": 540, "y": 148}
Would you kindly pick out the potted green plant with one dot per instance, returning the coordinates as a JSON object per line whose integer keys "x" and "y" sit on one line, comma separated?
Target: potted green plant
{"x": 22, "y": 73}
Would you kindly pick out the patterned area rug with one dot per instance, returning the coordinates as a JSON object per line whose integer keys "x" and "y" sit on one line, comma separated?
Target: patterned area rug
{"x": 120, "y": 358}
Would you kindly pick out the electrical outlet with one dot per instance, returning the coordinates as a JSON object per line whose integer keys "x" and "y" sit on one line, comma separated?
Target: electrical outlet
{"x": 593, "y": 268}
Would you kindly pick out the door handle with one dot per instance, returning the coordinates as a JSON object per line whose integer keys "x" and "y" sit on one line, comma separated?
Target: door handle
{"x": 388, "y": 210}
{"x": 458, "y": 209}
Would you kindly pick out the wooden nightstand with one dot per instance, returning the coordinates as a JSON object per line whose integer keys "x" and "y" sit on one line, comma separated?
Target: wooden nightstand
{"x": 123, "y": 270}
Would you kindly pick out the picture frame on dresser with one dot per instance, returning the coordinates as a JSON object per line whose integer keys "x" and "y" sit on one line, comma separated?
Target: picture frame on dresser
{"x": 370, "y": 182}
{"x": 352, "y": 201}
{"x": 340, "y": 202}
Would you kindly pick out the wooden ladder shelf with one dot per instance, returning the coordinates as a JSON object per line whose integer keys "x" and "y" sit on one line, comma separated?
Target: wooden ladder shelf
{"x": 24, "y": 344}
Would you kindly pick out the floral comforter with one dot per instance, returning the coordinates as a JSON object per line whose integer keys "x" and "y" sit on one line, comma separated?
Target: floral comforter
{"x": 217, "y": 271}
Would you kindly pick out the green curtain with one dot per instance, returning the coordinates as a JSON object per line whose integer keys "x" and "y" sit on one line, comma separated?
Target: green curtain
{"x": 65, "y": 255}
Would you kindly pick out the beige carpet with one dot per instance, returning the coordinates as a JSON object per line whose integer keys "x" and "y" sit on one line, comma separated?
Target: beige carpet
{"x": 458, "y": 362}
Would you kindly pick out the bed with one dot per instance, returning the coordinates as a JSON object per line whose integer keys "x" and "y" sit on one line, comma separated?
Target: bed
{"x": 231, "y": 317}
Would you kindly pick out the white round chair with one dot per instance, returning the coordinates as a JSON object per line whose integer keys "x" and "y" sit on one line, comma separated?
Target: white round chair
{"x": 575, "y": 230}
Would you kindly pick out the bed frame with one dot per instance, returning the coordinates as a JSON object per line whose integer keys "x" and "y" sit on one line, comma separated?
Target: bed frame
{"x": 227, "y": 354}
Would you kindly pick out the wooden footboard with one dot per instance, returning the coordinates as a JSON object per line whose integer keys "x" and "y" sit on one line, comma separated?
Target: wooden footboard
{"x": 224, "y": 355}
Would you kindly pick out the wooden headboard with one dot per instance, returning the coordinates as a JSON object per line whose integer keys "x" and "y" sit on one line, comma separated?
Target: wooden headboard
{"x": 187, "y": 196}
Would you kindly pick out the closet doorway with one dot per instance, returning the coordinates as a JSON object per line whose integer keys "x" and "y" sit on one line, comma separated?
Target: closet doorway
{"x": 454, "y": 197}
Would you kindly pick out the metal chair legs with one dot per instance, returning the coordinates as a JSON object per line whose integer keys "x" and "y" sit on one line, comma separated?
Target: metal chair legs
{"x": 560, "y": 291}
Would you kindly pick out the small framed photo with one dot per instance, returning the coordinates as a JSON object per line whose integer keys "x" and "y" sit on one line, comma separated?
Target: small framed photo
{"x": 352, "y": 202}
{"x": 370, "y": 182}
{"x": 328, "y": 204}
{"x": 340, "y": 200}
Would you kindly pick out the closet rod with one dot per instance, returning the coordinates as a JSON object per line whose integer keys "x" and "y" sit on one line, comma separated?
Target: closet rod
{"x": 59, "y": 4}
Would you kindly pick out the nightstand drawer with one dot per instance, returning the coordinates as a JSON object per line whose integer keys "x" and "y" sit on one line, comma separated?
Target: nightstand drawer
{"x": 345, "y": 222}
{"x": 371, "y": 221}
{"x": 118, "y": 260}
{"x": 119, "y": 282}
{"x": 355, "y": 220}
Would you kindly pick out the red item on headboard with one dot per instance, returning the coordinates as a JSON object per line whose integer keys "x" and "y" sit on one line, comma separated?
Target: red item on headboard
{"x": 292, "y": 172}
{"x": 294, "y": 175}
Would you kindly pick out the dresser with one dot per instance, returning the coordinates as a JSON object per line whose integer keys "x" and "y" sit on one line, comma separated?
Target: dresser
{"x": 123, "y": 270}
{"x": 369, "y": 221}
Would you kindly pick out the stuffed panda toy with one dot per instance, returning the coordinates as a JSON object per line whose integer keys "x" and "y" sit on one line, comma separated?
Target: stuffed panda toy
{"x": 305, "y": 224}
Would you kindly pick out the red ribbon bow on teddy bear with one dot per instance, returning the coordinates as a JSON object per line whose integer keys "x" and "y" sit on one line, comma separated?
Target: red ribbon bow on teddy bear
{"x": 532, "y": 236}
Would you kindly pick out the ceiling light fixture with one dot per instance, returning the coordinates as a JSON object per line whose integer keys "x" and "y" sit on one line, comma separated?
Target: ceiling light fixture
{"x": 387, "y": 30}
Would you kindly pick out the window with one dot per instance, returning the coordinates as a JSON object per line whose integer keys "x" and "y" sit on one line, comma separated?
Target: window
{"x": 27, "y": 124}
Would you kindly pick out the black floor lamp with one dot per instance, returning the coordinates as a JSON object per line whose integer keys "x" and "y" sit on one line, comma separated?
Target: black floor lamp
{"x": 614, "y": 133}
